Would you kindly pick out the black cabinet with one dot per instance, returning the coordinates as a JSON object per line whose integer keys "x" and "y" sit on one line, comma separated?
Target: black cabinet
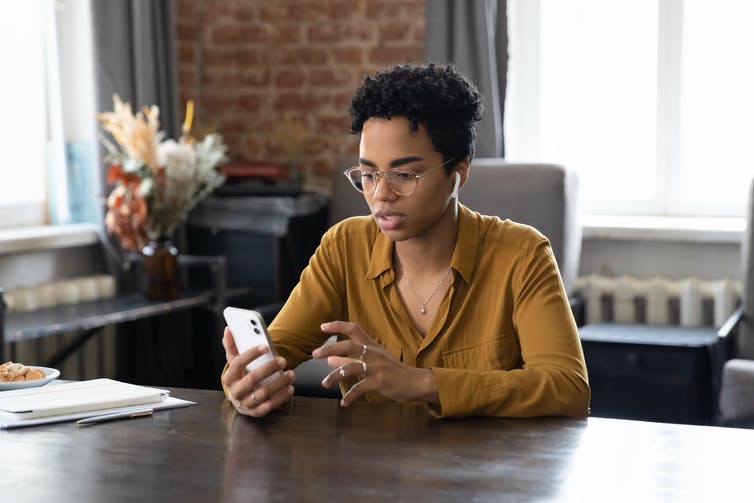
{"x": 667, "y": 374}
{"x": 267, "y": 240}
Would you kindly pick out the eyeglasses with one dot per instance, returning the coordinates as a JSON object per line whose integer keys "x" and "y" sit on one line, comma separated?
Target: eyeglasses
{"x": 401, "y": 181}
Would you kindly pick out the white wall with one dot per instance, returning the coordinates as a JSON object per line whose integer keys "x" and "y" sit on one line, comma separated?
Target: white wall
{"x": 673, "y": 259}
{"x": 45, "y": 266}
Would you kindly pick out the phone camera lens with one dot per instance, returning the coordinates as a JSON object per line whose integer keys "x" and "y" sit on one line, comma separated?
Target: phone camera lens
{"x": 256, "y": 330}
{"x": 253, "y": 322}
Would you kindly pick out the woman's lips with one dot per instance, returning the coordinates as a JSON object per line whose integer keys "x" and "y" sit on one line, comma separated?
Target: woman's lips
{"x": 388, "y": 220}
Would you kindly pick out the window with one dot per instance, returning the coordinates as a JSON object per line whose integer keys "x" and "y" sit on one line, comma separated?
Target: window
{"x": 649, "y": 100}
{"x": 48, "y": 132}
{"x": 23, "y": 130}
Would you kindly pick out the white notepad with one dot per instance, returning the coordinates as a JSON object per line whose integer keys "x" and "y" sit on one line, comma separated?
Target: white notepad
{"x": 75, "y": 397}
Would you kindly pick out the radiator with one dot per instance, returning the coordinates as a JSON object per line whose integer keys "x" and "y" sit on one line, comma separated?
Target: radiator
{"x": 688, "y": 302}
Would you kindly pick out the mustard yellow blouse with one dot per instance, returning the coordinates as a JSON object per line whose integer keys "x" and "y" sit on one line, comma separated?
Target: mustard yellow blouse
{"x": 504, "y": 341}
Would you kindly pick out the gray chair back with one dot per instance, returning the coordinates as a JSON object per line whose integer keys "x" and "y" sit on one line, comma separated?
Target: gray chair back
{"x": 544, "y": 196}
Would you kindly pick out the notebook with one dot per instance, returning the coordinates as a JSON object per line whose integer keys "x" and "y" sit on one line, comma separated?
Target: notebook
{"x": 75, "y": 397}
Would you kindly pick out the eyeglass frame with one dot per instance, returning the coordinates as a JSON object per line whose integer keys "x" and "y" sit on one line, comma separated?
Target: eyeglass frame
{"x": 385, "y": 174}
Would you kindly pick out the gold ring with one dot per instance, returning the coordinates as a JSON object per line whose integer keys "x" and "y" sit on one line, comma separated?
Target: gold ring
{"x": 342, "y": 371}
{"x": 363, "y": 352}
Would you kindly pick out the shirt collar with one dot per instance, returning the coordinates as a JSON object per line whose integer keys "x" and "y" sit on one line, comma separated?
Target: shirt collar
{"x": 464, "y": 254}
{"x": 381, "y": 259}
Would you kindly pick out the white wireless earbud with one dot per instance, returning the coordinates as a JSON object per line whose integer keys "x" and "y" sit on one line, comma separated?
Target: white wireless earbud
{"x": 457, "y": 185}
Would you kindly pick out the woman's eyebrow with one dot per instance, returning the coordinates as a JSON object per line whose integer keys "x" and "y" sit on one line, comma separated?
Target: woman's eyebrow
{"x": 394, "y": 163}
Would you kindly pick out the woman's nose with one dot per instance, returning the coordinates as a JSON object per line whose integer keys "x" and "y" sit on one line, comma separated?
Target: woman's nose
{"x": 383, "y": 190}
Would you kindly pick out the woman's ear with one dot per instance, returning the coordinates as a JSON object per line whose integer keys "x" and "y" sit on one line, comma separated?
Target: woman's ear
{"x": 461, "y": 175}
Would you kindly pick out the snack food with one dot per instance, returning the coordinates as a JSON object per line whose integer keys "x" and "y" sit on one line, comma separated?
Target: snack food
{"x": 12, "y": 372}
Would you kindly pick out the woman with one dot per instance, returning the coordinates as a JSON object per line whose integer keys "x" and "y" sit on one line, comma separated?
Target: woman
{"x": 431, "y": 301}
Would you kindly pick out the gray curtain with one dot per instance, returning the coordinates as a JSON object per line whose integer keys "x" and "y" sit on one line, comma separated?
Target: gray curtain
{"x": 135, "y": 57}
{"x": 473, "y": 35}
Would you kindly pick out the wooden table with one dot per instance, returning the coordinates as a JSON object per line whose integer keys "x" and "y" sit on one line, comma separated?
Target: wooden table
{"x": 319, "y": 451}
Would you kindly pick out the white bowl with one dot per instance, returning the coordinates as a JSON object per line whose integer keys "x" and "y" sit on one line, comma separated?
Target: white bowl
{"x": 50, "y": 374}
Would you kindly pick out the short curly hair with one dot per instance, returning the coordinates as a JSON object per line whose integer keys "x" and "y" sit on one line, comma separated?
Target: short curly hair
{"x": 434, "y": 95}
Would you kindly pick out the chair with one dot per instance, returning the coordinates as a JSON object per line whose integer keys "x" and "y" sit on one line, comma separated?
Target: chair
{"x": 541, "y": 195}
{"x": 544, "y": 196}
{"x": 736, "y": 402}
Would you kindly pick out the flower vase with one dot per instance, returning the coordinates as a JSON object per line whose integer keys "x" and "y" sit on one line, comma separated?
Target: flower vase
{"x": 161, "y": 264}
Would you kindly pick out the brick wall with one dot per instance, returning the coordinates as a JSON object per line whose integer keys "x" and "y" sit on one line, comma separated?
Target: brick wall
{"x": 275, "y": 78}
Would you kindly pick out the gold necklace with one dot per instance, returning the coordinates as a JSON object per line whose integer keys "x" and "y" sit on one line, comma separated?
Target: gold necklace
{"x": 422, "y": 303}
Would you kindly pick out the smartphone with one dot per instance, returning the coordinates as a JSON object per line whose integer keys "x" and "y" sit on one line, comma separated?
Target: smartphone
{"x": 248, "y": 329}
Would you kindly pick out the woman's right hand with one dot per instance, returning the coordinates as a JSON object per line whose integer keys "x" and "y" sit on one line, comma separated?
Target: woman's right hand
{"x": 244, "y": 390}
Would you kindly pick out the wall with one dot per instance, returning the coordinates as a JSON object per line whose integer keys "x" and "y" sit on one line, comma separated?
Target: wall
{"x": 649, "y": 258}
{"x": 276, "y": 78}
{"x": 45, "y": 266}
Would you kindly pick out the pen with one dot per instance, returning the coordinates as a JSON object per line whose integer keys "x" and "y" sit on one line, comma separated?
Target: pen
{"x": 114, "y": 417}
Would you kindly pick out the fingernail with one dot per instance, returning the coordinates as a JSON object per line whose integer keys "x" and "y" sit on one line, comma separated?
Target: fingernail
{"x": 343, "y": 403}
{"x": 315, "y": 353}
{"x": 263, "y": 348}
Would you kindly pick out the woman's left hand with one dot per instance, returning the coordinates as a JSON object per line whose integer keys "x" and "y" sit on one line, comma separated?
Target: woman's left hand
{"x": 379, "y": 371}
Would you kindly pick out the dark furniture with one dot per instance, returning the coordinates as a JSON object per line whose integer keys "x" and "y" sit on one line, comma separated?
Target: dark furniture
{"x": 668, "y": 374}
{"x": 267, "y": 239}
{"x": 89, "y": 317}
{"x": 318, "y": 451}
{"x": 130, "y": 310}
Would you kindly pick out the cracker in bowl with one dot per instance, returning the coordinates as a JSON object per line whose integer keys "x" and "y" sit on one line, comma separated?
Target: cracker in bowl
{"x": 13, "y": 372}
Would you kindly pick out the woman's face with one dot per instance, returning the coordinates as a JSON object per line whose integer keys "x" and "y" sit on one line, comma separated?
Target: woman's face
{"x": 389, "y": 143}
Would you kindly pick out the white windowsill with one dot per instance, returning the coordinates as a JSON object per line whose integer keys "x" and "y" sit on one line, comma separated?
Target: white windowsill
{"x": 664, "y": 228}
{"x": 25, "y": 239}
{"x": 617, "y": 227}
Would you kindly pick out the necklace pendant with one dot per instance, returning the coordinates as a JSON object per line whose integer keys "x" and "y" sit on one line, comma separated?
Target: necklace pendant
{"x": 422, "y": 309}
